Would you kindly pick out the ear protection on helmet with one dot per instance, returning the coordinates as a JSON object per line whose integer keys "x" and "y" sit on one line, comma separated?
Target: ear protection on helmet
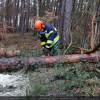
{"x": 43, "y": 26}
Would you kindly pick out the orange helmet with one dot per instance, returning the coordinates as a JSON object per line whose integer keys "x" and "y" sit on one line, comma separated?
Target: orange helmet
{"x": 39, "y": 25}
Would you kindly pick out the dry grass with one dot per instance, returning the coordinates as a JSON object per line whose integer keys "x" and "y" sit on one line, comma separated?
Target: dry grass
{"x": 28, "y": 41}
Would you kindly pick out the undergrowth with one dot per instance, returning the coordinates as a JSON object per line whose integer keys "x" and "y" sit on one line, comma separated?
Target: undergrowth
{"x": 73, "y": 79}
{"x": 70, "y": 78}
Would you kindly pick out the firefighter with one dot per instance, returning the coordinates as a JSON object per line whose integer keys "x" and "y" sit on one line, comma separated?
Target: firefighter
{"x": 48, "y": 36}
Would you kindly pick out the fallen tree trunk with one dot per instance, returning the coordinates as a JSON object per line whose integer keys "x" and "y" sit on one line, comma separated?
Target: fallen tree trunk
{"x": 16, "y": 63}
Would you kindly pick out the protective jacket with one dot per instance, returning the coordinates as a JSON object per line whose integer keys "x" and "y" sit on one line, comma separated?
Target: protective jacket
{"x": 48, "y": 36}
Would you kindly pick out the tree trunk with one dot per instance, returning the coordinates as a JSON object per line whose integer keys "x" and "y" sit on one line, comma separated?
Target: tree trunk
{"x": 40, "y": 8}
{"x": 23, "y": 17}
{"x": 16, "y": 63}
{"x": 37, "y": 5}
{"x": 34, "y": 8}
{"x": 7, "y": 13}
{"x": 43, "y": 6}
{"x": 17, "y": 11}
{"x": 67, "y": 21}
{"x": 27, "y": 17}
{"x": 14, "y": 16}
{"x": 60, "y": 20}
{"x": 48, "y": 3}
{"x": 57, "y": 8}
{"x": 64, "y": 20}
{"x": 52, "y": 9}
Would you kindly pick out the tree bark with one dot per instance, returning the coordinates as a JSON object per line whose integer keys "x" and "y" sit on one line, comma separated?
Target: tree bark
{"x": 64, "y": 20}
{"x": 52, "y": 9}
{"x": 23, "y": 17}
{"x": 43, "y": 6}
{"x": 60, "y": 21}
{"x": 48, "y": 3}
{"x": 34, "y": 8}
{"x": 37, "y": 5}
{"x": 17, "y": 11}
{"x": 40, "y": 8}
{"x": 16, "y": 63}
{"x": 7, "y": 13}
{"x": 14, "y": 16}
{"x": 57, "y": 8}
{"x": 27, "y": 17}
{"x": 67, "y": 21}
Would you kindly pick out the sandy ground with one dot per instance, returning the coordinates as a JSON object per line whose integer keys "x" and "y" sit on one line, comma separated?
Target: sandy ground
{"x": 13, "y": 85}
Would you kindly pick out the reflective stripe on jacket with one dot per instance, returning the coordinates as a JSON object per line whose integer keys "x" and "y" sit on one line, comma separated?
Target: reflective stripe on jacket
{"x": 49, "y": 36}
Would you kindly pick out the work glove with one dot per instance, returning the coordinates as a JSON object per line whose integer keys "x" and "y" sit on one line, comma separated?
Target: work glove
{"x": 46, "y": 52}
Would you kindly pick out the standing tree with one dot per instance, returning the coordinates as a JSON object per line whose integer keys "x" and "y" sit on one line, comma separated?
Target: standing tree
{"x": 34, "y": 8}
{"x": 43, "y": 7}
{"x": 17, "y": 11}
{"x": 52, "y": 9}
{"x": 23, "y": 17}
{"x": 48, "y": 5}
{"x": 64, "y": 20}
{"x": 37, "y": 8}
{"x": 27, "y": 16}
{"x": 40, "y": 8}
{"x": 7, "y": 11}
{"x": 14, "y": 15}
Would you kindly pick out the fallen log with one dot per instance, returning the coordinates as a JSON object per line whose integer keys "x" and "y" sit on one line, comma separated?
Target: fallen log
{"x": 16, "y": 63}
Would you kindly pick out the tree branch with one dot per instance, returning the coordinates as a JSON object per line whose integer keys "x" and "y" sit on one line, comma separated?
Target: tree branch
{"x": 92, "y": 69}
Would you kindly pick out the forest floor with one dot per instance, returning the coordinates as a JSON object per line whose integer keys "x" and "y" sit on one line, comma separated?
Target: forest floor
{"x": 61, "y": 79}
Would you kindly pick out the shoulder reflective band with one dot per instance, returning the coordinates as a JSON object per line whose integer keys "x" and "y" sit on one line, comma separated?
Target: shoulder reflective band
{"x": 55, "y": 28}
{"x": 47, "y": 34}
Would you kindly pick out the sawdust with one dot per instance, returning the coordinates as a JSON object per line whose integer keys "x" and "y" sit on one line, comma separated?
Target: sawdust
{"x": 13, "y": 85}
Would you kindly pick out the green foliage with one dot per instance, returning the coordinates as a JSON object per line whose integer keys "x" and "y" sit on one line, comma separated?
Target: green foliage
{"x": 98, "y": 18}
{"x": 66, "y": 77}
{"x": 31, "y": 53}
{"x": 37, "y": 90}
{"x": 33, "y": 67}
{"x": 14, "y": 42}
{"x": 98, "y": 65}
{"x": 9, "y": 55}
{"x": 34, "y": 32}
{"x": 38, "y": 84}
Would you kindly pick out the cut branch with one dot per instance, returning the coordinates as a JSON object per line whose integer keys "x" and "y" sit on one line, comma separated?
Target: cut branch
{"x": 92, "y": 69}
{"x": 94, "y": 49}
{"x": 87, "y": 52}
{"x": 81, "y": 51}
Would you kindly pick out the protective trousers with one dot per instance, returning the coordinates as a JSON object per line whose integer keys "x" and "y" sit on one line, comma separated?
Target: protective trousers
{"x": 55, "y": 49}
